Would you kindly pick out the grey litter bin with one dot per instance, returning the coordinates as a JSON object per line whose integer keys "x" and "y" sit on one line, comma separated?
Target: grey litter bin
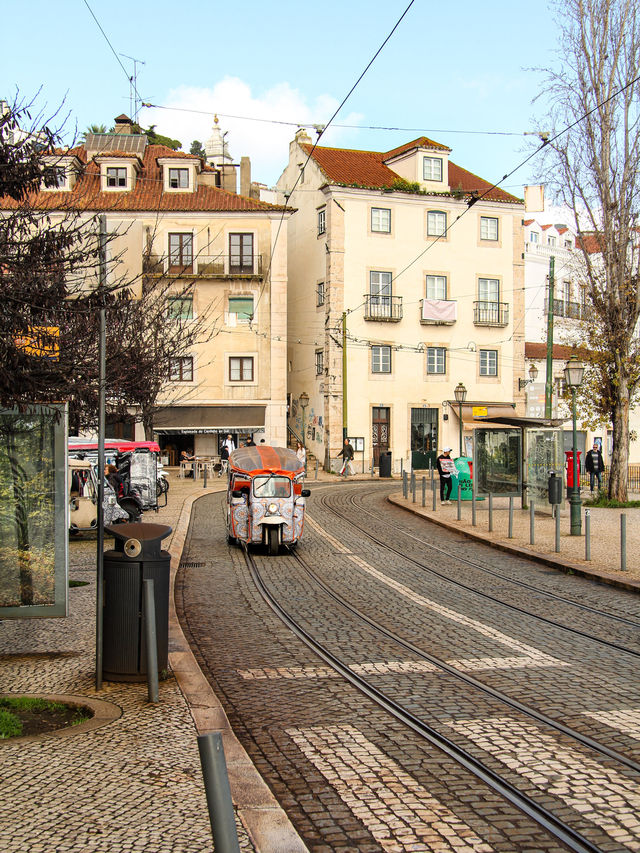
{"x": 555, "y": 488}
{"x": 385, "y": 464}
{"x": 137, "y": 556}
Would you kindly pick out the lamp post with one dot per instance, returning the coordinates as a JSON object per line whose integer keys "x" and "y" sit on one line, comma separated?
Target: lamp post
{"x": 573, "y": 372}
{"x": 533, "y": 375}
{"x": 304, "y": 402}
{"x": 460, "y": 393}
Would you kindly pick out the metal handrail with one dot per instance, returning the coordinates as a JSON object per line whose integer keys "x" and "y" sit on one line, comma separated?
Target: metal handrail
{"x": 203, "y": 266}
{"x": 382, "y": 307}
{"x": 491, "y": 313}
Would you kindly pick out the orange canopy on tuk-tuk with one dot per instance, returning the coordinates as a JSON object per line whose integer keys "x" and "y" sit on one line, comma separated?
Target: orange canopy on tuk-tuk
{"x": 265, "y": 460}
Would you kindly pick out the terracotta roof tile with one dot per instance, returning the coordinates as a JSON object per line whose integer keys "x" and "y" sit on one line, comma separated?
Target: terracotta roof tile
{"x": 529, "y": 221}
{"x": 350, "y": 167}
{"x": 538, "y": 351}
{"x": 421, "y": 142}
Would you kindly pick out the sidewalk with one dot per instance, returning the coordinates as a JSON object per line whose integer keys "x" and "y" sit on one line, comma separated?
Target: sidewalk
{"x": 130, "y": 778}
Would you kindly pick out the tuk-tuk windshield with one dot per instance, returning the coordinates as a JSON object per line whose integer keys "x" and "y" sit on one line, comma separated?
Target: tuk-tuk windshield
{"x": 271, "y": 486}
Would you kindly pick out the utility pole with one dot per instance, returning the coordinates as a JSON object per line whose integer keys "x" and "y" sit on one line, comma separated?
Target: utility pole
{"x": 344, "y": 376}
{"x": 548, "y": 387}
{"x": 102, "y": 381}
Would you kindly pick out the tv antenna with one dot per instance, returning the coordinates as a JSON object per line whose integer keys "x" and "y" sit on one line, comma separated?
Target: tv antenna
{"x": 134, "y": 98}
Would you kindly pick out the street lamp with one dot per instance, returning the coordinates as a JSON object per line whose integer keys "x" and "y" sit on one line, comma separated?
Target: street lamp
{"x": 533, "y": 375}
{"x": 460, "y": 393}
{"x": 573, "y": 373}
{"x": 304, "y": 402}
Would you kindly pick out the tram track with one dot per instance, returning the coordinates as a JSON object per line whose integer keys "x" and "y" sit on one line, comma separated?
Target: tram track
{"x": 545, "y": 818}
{"x": 324, "y": 500}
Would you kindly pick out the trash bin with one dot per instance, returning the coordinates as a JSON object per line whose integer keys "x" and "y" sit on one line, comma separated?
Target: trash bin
{"x": 385, "y": 463}
{"x": 555, "y": 488}
{"x": 137, "y": 557}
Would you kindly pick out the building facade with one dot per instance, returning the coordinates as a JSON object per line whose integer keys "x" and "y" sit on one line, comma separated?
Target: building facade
{"x": 405, "y": 279}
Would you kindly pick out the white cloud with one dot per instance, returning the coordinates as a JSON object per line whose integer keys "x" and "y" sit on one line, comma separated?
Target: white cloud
{"x": 266, "y": 143}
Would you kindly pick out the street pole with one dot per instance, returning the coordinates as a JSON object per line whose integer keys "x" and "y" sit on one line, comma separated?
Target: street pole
{"x": 102, "y": 381}
{"x": 548, "y": 386}
{"x": 460, "y": 419}
{"x": 574, "y": 500}
{"x": 344, "y": 376}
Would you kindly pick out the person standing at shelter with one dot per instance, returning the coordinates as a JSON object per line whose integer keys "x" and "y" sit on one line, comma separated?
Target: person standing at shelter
{"x": 446, "y": 467}
{"x": 347, "y": 455}
{"x": 227, "y": 447}
{"x": 594, "y": 465}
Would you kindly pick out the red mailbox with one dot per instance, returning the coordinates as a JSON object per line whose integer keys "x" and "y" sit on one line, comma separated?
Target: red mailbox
{"x": 569, "y": 455}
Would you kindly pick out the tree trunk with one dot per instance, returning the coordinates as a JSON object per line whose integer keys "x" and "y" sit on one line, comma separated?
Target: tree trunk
{"x": 619, "y": 471}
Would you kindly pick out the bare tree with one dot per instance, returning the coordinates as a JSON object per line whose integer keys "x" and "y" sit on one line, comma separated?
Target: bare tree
{"x": 594, "y": 168}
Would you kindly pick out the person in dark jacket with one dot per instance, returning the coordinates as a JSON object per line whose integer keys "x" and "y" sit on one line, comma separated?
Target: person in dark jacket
{"x": 594, "y": 465}
{"x": 347, "y": 455}
{"x": 446, "y": 467}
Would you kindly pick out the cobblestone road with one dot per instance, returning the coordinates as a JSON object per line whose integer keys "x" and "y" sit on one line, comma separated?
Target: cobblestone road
{"x": 348, "y": 776}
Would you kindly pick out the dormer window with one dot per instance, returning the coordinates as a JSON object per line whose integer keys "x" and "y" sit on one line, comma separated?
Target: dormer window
{"x": 116, "y": 176}
{"x": 432, "y": 168}
{"x": 179, "y": 179}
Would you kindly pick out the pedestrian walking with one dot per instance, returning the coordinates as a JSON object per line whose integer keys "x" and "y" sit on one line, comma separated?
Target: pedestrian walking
{"x": 594, "y": 465}
{"x": 227, "y": 447}
{"x": 446, "y": 468}
{"x": 347, "y": 455}
{"x": 301, "y": 453}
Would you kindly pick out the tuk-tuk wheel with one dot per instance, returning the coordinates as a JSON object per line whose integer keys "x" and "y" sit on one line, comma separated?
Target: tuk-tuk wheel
{"x": 231, "y": 540}
{"x": 273, "y": 544}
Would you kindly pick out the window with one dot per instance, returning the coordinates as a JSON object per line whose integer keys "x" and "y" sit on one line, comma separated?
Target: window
{"x": 551, "y": 240}
{"x": 488, "y": 228}
{"x": 381, "y": 220}
{"x": 242, "y": 307}
{"x": 436, "y": 287}
{"x": 180, "y": 251}
{"x": 180, "y": 307}
{"x": 380, "y": 293}
{"x": 380, "y": 359}
{"x": 436, "y": 223}
{"x": 432, "y": 168}
{"x": 322, "y": 221}
{"x": 436, "y": 360}
{"x": 320, "y": 293}
{"x": 241, "y": 253}
{"x": 178, "y": 179}
{"x": 488, "y": 362}
{"x": 568, "y": 244}
{"x": 488, "y": 290}
{"x": 181, "y": 369}
{"x": 116, "y": 177}
{"x": 534, "y": 237}
{"x": 319, "y": 362}
{"x": 241, "y": 369}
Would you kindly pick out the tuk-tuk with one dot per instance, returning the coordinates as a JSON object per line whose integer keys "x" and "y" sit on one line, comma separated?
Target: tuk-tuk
{"x": 83, "y": 499}
{"x": 265, "y": 498}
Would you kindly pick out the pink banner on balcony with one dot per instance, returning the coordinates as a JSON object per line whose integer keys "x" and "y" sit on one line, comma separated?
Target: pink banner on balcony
{"x": 439, "y": 310}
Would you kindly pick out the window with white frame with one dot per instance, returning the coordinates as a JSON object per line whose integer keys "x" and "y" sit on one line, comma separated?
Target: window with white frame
{"x": 436, "y": 223}
{"x": 436, "y": 361}
{"x": 436, "y": 287}
{"x": 380, "y": 284}
{"x": 568, "y": 244}
{"x": 320, "y": 293}
{"x": 181, "y": 369}
{"x": 180, "y": 307}
{"x": 488, "y": 228}
{"x": 381, "y": 359}
{"x": 381, "y": 220}
{"x": 534, "y": 237}
{"x": 488, "y": 362}
{"x": 489, "y": 290}
{"x": 432, "y": 168}
{"x": 322, "y": 221}
{"x": 179, "y": 179}
{"x": 241, "y": 368}
{"x": 242, "y": 307}
{"x": 319, "y": 362}
{"x": 116, "y": 176}
{"x": 551, "y": 240}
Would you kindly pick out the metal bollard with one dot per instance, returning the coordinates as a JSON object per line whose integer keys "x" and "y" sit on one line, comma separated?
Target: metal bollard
{"x": 433, "y": 493}
{"x": 150, "y": 639}
{"x": 431, "y": 470}
{"x": 532, "y": 523}
{"x": 405, "y": 485}
{"x": 557, "y": 530}
{"x": 623, "y": 542}
{"x": 474, "y": 510}
{"x": 204, "y": 477}
{"x": 510, "y": 517}
{"x": 219, "y": 802}
{"x": 490, "y": 512}
{"x": 372, "y": 467}
{"x": 587, "y": 534}
{"x": 317, "y": 463}
{"x": 459, "y": 502}
{"x": 424, "y": 490}
{"x": 401, "y": 465}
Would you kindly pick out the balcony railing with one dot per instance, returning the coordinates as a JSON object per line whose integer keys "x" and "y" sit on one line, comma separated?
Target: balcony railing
{"x": 572, "y": 310}
{"x": 386, "y": 308}
{"x": 203, "y": 266}
{"x": 439, "y": 312}
{"x": 491, "y": 313}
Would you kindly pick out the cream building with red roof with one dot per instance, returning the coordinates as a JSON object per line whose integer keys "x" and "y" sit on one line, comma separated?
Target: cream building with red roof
{"x": 425, "y": 262}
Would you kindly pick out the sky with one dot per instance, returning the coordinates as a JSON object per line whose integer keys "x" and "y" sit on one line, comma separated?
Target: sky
{"x": 461, "y": 75}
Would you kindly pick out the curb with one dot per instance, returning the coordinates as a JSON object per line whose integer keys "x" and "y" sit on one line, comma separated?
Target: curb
{"x": 266, "y": 823}
{"x": 565, "y": 566}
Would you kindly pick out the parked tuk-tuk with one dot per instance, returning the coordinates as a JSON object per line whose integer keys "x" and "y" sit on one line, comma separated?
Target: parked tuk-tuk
{"x": 265, "y": 498}
{"x": 83, "y": 499}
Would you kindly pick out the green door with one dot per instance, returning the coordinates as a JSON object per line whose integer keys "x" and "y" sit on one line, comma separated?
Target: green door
{"x": 424, "y": 438}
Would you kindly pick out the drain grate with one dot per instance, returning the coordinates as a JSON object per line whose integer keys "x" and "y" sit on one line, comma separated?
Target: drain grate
{"x": 191, "y": 565}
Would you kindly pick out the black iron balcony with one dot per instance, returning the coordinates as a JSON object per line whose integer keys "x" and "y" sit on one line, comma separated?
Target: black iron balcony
{"x": 203, "y": 266}
{"x": 491, "y": 313}
{"x": 385, "y": 308}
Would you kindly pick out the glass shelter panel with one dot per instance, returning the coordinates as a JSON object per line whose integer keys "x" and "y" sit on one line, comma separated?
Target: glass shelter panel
{"x": 497, "y": 463}
{"x": 33, "y": 523}
{"x": 543, "y": 454}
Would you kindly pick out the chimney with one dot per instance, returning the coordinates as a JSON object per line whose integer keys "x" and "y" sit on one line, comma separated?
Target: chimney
{"x": 245, "y": 177}
{"x": 123, "y": 125}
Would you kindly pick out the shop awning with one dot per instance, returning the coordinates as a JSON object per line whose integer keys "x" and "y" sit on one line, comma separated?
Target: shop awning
{"x": 198, "y": 420}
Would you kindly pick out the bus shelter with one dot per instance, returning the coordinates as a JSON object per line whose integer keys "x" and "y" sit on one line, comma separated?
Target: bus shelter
{"x": 514, "y": 457}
